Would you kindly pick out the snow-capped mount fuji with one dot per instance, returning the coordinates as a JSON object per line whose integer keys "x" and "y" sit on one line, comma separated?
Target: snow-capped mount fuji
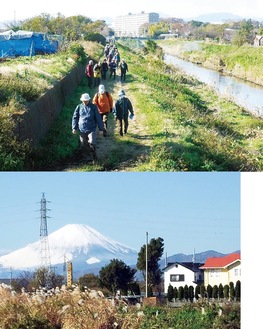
{"x": 82, "y": 245}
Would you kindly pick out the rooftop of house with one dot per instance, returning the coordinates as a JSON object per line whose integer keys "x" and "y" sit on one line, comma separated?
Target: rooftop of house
{"x": 221, "y": 262}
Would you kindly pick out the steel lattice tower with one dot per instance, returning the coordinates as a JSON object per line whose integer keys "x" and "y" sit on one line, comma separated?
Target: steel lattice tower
{"x": 45, "y": 255}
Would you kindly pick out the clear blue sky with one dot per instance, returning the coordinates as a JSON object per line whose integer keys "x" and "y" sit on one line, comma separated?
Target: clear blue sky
{"x": 189, "y": 211}
{"x": 105, "y": 8}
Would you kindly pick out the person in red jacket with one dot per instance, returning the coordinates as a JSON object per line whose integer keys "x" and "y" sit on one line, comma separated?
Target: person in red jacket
{"x": 104, "y": 102}
{"x": 90, "y": 74}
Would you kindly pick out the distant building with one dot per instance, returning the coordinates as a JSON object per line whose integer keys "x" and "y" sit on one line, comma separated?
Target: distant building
{"x": 129, "y": 25}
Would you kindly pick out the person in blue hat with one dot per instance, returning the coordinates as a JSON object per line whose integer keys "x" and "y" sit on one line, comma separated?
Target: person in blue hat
{"x": 123, "y": 107}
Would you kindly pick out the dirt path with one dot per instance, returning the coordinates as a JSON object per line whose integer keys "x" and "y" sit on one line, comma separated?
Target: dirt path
{"x": 133, "y": 147}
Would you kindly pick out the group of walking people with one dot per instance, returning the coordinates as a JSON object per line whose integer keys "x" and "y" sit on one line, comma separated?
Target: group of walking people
{"x": 97, "y": 72}
{"x": 93, "y": 114}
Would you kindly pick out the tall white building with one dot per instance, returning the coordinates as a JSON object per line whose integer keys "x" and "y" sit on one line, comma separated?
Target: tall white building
{"x": 129, "y": 25}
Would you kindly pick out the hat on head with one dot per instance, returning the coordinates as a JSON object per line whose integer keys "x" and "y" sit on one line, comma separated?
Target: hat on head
{"x": 121, "y": 92}
{"x": 85, "y": 97}
{"x": 101, "y": 89}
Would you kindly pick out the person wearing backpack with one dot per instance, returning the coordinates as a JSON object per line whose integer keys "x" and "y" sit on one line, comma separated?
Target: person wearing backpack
{"x": 104, "y": 102}
{"x": 122, "y": 108}
{"x": 124, "y": 69}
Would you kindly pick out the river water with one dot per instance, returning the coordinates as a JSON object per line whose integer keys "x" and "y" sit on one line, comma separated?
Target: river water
{"x": 245, "y": 94}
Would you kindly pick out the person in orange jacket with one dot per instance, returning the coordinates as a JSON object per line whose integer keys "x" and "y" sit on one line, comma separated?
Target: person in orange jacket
{"x": 104, "y": 102}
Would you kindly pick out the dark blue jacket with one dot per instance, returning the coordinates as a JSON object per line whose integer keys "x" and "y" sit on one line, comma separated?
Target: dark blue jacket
{"x": 86, "y": 118}
{"x": 122, "y": 108}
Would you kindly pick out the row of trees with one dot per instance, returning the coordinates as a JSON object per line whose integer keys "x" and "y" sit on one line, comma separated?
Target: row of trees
{"x": 71, "y": 28}
{"x": 228, "y": 292}
{"x": 78, "y": 27}
{"x": 237, "y": 33}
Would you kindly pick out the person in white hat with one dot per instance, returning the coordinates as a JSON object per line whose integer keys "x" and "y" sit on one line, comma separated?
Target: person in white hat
{"x": 86, "y": 119}
{"x": 122, "y": 108}
{"x": 104, "y": 102}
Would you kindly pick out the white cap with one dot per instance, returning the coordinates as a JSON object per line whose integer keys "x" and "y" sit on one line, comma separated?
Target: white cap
{"x": 101, "y": 89}
{"x": 85, "y": 97}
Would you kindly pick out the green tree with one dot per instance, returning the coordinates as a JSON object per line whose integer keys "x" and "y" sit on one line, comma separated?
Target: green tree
{"x": 116, "y": 276}
{"x": 38, "y": 23}
{"x": 155, "y": 251}
{"x": 170, "y": 293}
{"x": 186, "y": 292}
{"x": 175, "y": 293}
{"x": 215, "y": 292}
{"x": 202, "y": 291}
{"x": 90, "y": 281}
{"x": 231, "y": 291}
{"x": 180, "y": 293}
{"x": 226, "y": 291}
{"x": 238, "y": 291}
{"x": 244, "y": 34}
{"x": 209, "y": 291}
{"x": 46, "y": 278}
{"x": 197, "y": 292}
{"x": 220, "y": 291}
{"x": 154, "y": 30}
{"x": 191, "y": 293}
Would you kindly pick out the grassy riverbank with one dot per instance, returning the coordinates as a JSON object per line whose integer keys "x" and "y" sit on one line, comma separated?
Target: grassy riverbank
{"x": 180, "y": 125}
{"x": 245, "y": 62}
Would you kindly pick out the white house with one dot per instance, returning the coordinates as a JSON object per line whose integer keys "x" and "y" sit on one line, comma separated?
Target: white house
{"x": 222, "y": 270}
{"x": 183, "y": 273}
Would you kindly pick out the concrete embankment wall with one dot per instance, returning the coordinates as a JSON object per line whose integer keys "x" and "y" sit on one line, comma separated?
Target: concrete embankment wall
{"x": 34, "y": 124}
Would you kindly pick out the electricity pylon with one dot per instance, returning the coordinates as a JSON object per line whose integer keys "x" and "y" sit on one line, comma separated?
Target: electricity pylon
{"x": 44, "y": 246}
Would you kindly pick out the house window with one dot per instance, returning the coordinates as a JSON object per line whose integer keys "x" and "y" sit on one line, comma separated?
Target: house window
{"x": 237, "y": 272}
{"x": 176, "y": 277}
{"x": 215, "y": 273}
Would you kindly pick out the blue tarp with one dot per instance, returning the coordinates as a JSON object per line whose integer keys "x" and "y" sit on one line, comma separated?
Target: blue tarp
{"x": 26, "y": 43}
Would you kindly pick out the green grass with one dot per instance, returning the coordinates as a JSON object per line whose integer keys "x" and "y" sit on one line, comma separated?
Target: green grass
{"x": 191, "y": 128}
{"x": 182, "y": 125}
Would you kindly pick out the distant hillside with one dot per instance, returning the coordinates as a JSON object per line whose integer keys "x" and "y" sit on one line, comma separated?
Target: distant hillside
{"x": 218, "y": 18}
{"x": 198, "y": 258}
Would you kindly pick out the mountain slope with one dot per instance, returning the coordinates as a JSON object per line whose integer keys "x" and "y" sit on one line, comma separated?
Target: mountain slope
{"x": 80, "y": 244}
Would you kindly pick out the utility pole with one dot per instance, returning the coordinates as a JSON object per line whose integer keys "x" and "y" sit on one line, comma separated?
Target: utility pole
{"x": 45, "y": 256}
{"x": 146, "y": 266}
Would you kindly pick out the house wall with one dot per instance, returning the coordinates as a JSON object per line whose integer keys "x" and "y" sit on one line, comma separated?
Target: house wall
{"x": 189, "y": 277}
{"x": 234, "y": 273}
{"x": 223, "y": 276}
